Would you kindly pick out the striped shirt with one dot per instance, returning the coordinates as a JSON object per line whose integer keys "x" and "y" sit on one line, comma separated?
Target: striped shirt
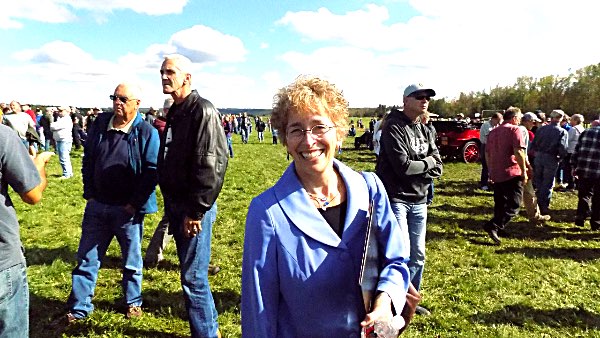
{"x": 586, "y": 158}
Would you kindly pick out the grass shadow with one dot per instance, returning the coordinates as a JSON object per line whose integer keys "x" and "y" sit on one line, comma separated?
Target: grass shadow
{"x": 45, "y": 256}
{"x": 520, "y": 315}
{"x": 577, "y": 254}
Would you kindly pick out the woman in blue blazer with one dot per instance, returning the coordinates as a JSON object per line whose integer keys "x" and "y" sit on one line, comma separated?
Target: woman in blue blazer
{"x": 304, "y": 236}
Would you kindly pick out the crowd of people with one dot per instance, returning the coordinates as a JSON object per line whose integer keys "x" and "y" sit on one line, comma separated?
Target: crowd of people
{"x": 306, "y": 236}
{"x": 529, "y": 156}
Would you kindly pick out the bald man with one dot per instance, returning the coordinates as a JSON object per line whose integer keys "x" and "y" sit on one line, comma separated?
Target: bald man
{"x": 119, "y": 170}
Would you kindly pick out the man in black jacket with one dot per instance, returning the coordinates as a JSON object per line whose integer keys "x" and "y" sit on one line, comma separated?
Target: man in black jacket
{"x": 191, "y": 167}
{"x": 408, "y": 161}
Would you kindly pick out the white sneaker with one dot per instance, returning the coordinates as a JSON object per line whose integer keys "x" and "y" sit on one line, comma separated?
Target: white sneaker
{"x": 485, "y": 187}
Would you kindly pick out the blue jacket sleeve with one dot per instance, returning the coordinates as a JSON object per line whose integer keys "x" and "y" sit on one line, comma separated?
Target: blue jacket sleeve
{"x": 260, "y": 281}
{"x": 149, "y": 173}
{"x": 394, "y": 248}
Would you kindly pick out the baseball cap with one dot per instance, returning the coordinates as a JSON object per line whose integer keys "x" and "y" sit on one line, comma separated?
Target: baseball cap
{"x": 557, "y": 113}
{"x": 529, "y": 116}
{"x": 417, "y": 87}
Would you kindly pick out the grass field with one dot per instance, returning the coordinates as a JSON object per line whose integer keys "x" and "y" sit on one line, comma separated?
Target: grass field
{"x": 542, "y": 281}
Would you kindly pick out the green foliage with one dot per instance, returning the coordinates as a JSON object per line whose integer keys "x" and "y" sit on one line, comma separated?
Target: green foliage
{"x": 577, "y": 92}
{"x": 542, "y": 281}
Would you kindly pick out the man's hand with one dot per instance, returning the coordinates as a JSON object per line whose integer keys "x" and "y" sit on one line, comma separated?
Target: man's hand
{"x": 42, "y": 159}
{"x": 191, "y": 227}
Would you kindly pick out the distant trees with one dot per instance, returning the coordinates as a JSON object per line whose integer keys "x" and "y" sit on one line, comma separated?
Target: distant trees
{"x": 575, "y": 93}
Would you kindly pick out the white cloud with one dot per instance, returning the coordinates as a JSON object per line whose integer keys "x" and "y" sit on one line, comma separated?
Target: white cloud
{"x": 454, "y": 46}
{"x": 66, "y": 74}
{"x": 264, "y": 45}
{"x": 204, "y": 44}
{"x": 13, "y": 13}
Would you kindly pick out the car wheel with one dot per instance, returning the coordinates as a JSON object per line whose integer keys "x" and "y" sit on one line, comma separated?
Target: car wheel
{"x": 470, "y": 152}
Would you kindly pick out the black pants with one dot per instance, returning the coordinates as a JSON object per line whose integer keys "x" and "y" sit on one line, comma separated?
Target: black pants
{"x": 567, "y": 174}
{"x": 589, "y": 201}
{"x": 507, "y": 200}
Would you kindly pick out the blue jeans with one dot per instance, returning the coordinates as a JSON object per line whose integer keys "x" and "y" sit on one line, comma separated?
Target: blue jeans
{"x": 414, "y": 218}
{"x": 101, "y": 222}
{"x": 14, "y": 302}
{"x": 244, "y": 133}
{"x": 543, "y": 179}
{"x": 47, "y": 144}
{"x": 63, "y": 148}
{"x": 230, "y": 145}
{"x": 194, "y": 256}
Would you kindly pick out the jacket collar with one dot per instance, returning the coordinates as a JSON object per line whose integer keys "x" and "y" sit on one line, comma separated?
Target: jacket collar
{"x": 293, "y": 200}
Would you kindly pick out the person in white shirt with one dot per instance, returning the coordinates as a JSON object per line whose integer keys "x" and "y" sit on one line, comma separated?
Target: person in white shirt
{"x": 63, "y": 136}
{"x": 486, "y": 127}
{"x": 576, "y": 130}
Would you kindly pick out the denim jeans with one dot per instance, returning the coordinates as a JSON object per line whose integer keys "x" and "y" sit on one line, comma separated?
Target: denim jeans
{"x": 414, "y": 218}
{"x": 230, "y": 145}
{"x": 14, "y": 302}
{"x": 101, "y": 222}
{"x": 47, "y": 145}
{"x": 194, "y": 257}
{"x": 261, "y": 136}
{"x": 244, "y": 133}
{"x": 543, "y": 176}
{"x": 63, "y": 148}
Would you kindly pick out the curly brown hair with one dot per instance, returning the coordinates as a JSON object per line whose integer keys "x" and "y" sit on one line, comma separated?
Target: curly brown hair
{"x": 309, "y": 95}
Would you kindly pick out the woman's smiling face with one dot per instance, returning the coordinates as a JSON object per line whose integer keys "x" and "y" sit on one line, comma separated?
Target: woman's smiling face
{"x": 312, "y": 153}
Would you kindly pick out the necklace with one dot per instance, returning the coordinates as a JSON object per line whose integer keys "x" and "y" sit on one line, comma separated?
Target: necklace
{"x": 323, "y": 201}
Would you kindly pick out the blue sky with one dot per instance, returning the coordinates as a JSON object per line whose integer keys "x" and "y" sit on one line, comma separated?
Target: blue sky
{"x": 75, "y": 52}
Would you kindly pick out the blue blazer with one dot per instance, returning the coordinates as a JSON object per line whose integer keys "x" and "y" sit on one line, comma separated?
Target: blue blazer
{"x": 299, "y": 279}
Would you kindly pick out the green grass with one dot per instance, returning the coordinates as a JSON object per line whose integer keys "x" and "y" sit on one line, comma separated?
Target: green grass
{"x": 542, "y": 281}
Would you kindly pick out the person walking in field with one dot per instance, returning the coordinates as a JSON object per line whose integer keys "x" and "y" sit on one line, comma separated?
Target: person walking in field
{"x": 550, "y": 146}
{"x": 507, "y": 163}
{"x": 586, "y": 168}
{"x": 260, "y": 129}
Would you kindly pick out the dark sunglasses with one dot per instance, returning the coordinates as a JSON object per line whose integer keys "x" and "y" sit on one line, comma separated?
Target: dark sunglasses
{"x": 421, "y": 97}
{"x": 123, "y": 99}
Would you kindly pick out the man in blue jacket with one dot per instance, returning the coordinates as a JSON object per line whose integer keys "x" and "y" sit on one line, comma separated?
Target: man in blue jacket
{"x": 550, "y": 146}
{"x": 119, "y": 171}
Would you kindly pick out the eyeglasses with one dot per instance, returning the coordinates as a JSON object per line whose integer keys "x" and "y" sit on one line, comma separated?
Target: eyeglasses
{"x": 421, "y": 97}
{"x": 123, "y": 99}
{"x": 316, "y": 131}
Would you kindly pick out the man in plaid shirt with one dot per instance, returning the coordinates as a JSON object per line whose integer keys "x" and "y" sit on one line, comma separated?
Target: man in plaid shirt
{"x": 586, "y": 168}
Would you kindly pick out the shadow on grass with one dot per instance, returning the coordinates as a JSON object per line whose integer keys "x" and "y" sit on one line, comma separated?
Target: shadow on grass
{"x": 45, "y": 256}
{"x": 576, "y": 254}
{"x": 460, "y": 188}
{"x": 520, "y": 315}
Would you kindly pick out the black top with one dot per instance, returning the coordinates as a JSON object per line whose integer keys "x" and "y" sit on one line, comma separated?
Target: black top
{"x": 335, "y": 217}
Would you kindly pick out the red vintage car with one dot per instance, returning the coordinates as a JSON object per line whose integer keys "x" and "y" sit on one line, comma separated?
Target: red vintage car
{"x": 458, "y": 139}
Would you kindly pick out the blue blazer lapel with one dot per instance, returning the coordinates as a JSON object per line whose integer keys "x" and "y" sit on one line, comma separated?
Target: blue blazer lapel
{"x": 299, "y": 209}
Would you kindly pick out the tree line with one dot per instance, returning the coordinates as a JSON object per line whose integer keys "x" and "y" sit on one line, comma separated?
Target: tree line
{"x": 576, "y": 93}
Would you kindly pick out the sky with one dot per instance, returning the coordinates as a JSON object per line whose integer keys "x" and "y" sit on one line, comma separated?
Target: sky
{"x": 75, "y": 52}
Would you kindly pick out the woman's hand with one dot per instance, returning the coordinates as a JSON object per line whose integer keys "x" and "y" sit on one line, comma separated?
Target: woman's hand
{"x": 382, "y": 310}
